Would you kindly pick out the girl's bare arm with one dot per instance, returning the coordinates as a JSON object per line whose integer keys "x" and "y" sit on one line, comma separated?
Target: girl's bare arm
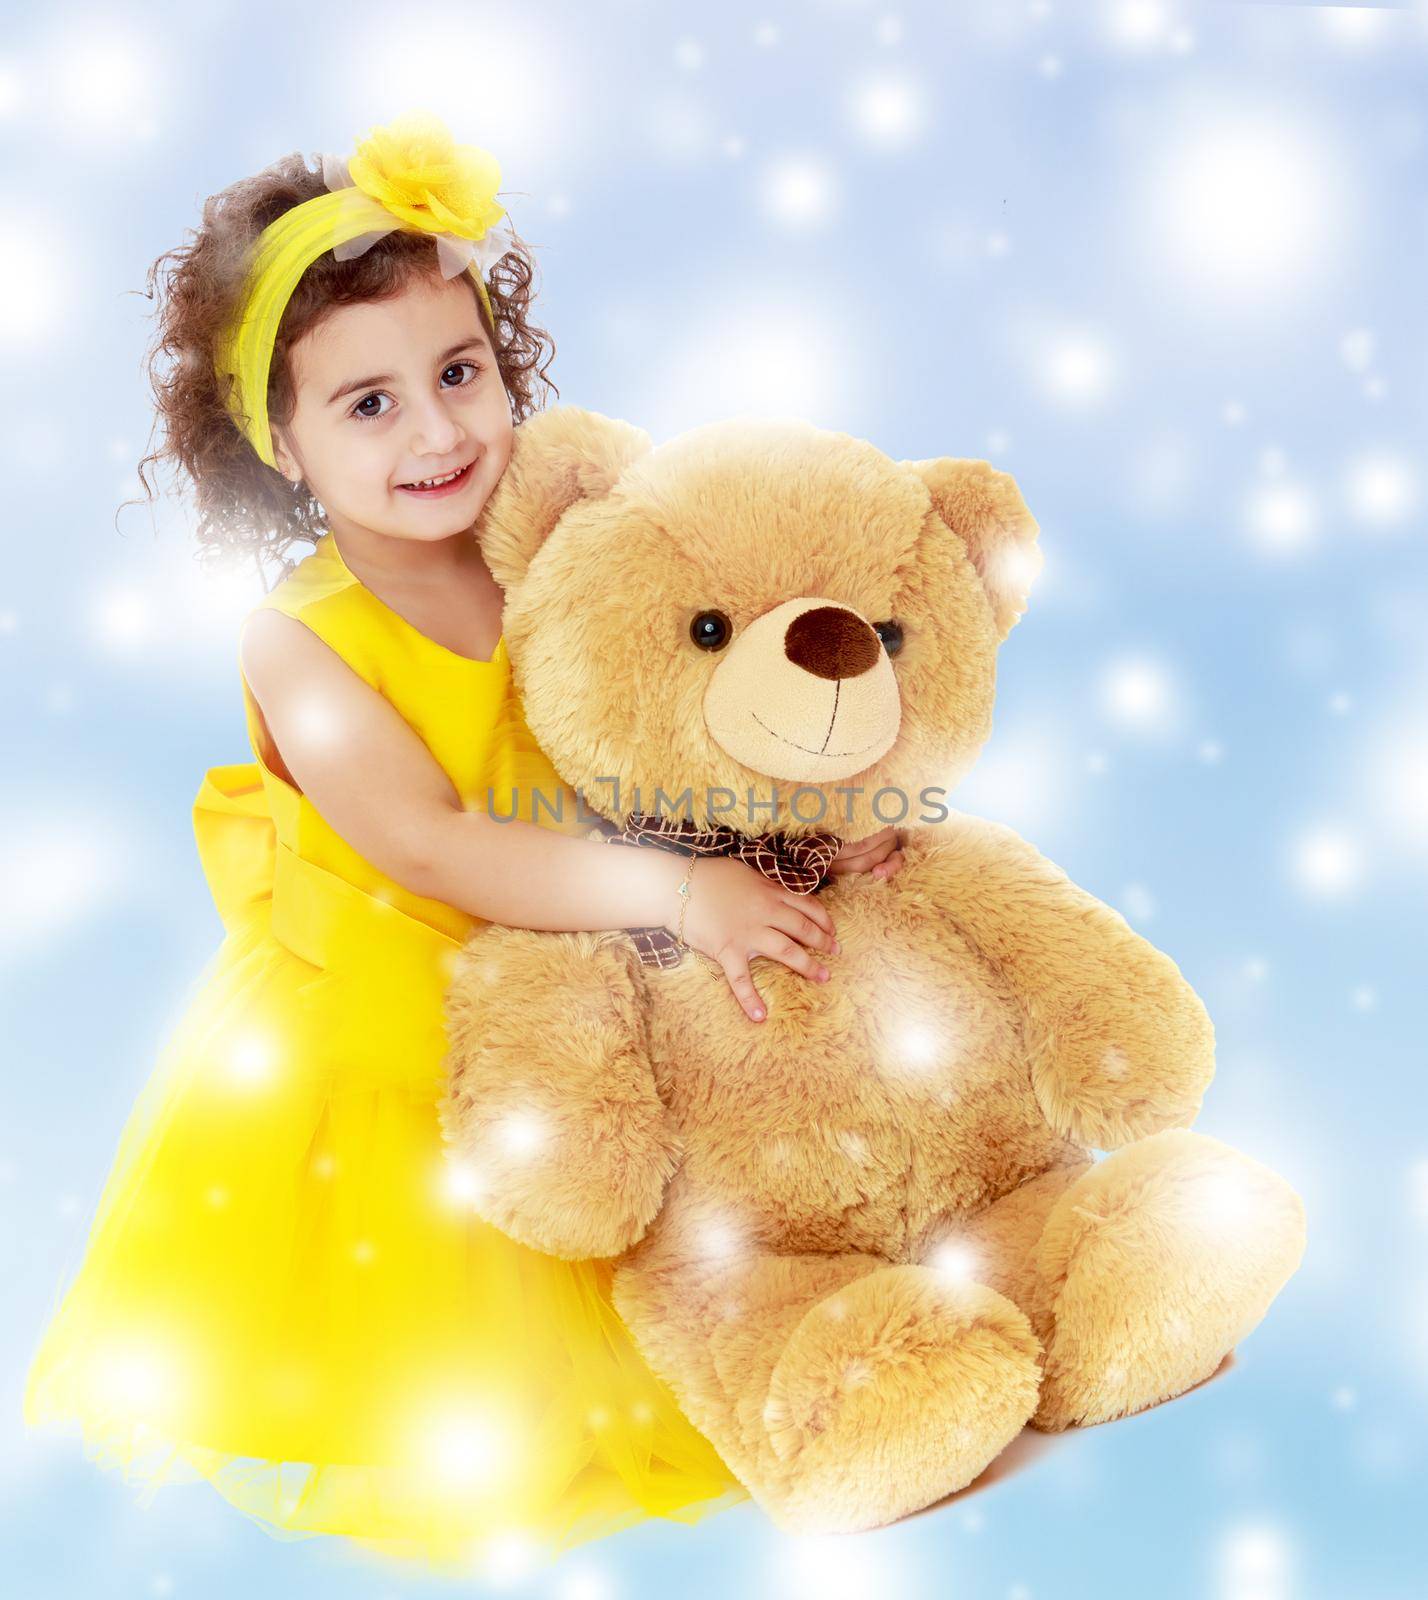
{"x": 374, "y": 780}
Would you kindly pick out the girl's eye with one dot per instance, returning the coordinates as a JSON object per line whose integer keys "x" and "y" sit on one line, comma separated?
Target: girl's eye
{"x": 366, "y": 416}
{"x": 456, "y": 366}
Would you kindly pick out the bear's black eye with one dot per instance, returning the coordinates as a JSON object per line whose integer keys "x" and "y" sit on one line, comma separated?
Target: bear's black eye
{"x": 711, "y": 630}
{"x": 891, "y": 635}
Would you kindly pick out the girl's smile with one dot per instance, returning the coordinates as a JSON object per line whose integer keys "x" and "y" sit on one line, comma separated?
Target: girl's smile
{"x": 442, "y": 487}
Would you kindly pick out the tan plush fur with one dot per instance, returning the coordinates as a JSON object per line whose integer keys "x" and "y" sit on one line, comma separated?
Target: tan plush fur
{"x": 865, "y": 1241}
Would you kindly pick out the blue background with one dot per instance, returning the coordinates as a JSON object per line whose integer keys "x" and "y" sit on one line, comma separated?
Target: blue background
{"x": 1165, "y": 264}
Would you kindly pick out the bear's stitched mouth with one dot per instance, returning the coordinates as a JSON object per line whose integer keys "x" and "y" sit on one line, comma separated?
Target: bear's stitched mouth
{"x": 831, "y": 754}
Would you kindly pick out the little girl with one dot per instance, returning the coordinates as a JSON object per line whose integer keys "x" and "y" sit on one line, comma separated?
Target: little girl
{"x": 284, "y": 1289}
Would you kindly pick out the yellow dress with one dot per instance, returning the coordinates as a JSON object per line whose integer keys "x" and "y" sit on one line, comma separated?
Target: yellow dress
{"x": 284, "y": 1290}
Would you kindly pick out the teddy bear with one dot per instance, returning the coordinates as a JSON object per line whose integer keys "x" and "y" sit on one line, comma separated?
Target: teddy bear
{"x": 952, "y": 1191}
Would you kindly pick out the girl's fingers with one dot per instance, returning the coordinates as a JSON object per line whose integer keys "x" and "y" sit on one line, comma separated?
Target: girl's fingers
{"x": 886, "y": 869}
{"x": 796, "y": 922}
{"x": 736, "y": 970}
{"x": 811, "y": 906}
{"x": 773, "y": 942}
{"x": 847, "y": 865}
{"x": 863, "y": 847}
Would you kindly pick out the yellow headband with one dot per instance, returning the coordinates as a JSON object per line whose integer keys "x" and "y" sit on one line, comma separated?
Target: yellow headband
{"x": 408, "y": 175}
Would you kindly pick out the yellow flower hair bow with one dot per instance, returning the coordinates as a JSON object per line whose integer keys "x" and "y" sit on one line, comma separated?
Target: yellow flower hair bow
{"x": 409, "y": 175}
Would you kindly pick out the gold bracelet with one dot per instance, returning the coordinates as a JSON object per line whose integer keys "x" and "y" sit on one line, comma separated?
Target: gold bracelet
{"x": 683, "y": 892}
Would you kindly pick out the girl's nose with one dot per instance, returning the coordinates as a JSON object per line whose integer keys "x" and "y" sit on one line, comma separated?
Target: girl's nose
{"x": 436, "y": 431}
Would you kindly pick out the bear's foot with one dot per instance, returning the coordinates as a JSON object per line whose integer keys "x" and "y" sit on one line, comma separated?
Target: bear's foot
{"x": 1152, "y": 1267}
{"x": 890, "y": 1394}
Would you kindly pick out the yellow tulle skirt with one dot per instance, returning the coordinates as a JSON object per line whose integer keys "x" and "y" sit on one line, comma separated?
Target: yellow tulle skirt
{"x": 286, "y": 1293}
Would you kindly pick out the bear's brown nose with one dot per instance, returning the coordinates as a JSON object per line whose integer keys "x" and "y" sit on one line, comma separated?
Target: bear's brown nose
{"x": 831, "y": 642}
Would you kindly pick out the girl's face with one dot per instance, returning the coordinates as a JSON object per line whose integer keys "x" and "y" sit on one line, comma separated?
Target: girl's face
{"x": 392, "y": 392}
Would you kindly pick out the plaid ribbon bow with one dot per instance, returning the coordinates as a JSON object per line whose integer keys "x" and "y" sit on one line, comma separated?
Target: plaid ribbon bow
{"x": 799, "y": 864}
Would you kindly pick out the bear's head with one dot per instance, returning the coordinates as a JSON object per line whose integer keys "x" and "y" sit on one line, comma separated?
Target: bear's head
{"x": 781, "y": 620}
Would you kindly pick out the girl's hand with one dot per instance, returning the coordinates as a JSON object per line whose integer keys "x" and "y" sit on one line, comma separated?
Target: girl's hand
{"x": 880, "y": 853}
{"x": 734, "y": 912}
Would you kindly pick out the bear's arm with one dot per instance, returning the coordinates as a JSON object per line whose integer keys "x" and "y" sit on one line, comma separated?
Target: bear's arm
{"x": 551, "y": 1111}
{"x": 1121, "y": 1045}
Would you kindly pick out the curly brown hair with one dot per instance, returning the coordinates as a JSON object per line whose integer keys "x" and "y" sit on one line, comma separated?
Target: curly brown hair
{"x": 243, "y": 504}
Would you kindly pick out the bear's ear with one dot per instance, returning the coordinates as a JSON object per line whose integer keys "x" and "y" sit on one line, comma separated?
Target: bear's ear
{"x": 557, "y": 457}
{"x": 984, "y": 508}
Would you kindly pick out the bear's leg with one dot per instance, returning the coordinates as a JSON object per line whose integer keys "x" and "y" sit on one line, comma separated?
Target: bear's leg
{"x": 843, "y": 1391}
{"x": 1151, "y": 1267}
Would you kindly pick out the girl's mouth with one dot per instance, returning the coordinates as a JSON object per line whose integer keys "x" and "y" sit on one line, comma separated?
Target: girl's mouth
{"x": 444, "y": 487}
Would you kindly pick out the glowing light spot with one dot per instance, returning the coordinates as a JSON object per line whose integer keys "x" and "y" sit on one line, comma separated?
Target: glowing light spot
{"x": 1256, "y": 969}
{"x": 1137, "y": 903}
{"x": 588, "y": 1584}
{"x": 1211, "y": 752}
{"x": 133, "y": 1379}
{"x": 766, "y": 35}
{"x": 462, "y": 1183}
{"x": 1115, "y": 1063}
{"x": 833, "y": 1567}
{"x": 1364, "y": 997}
{"x": 1396, "y": 781}
{"x": 719, "y": 1238}
{"x": 1078, "y": 370}
{"x": 1137, "y": 693}
{"x": 1418, "y": 1190}
{"x": 1049, "y": 66}
{"x": 598, "y": 1417}
{"x": 1357, "y": 26}
{"x": 217, "y": 1196}
{"x": 799, "y": 192}
{"x": 508, "y": 1558}
{"x": 853, "y": 1144}
{"x": 1343, "y": 1398}
{"x": 1327, "y": 861}
{"x": 319, "y": 721}
{"x": 364, "y": 1252}
{"x": 689, "y": 55}
{"x": 1137, "y": 24}
{"x": 1019, "y": 780}
{"x": 785, "y": 356}
{"x": 56, "y": 870}
{"x": 1356, "y": 349}
{"x": 1222, "y": 1201}
{"x": 888, "y": 30}
{"x": 1281, "y": 516}
{"x": 1254, "y": 1564}
{"x": 251, "y": 1059}
{"x": 324, "y": 1166}
{"x": 955, "y": 1260}
{"x": 465, "y": 1451}
{"x": 105, "y": 85}
{"x": 121, "y": 619}
{"x": 917, "y": 1045}
{"x": 1340, "y": 703}
{"x": 32, "y": 280}
{"x": 1014, "y": 568}
{"x": 522, "y": 1133}
{"x": 888, "y": 112}
{"x": 1381, "y": 489}
{"x": 1240, "y": 198}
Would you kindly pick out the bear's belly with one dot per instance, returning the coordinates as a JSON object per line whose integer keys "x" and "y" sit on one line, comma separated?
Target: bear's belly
{"x": 865, "y": 1113}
